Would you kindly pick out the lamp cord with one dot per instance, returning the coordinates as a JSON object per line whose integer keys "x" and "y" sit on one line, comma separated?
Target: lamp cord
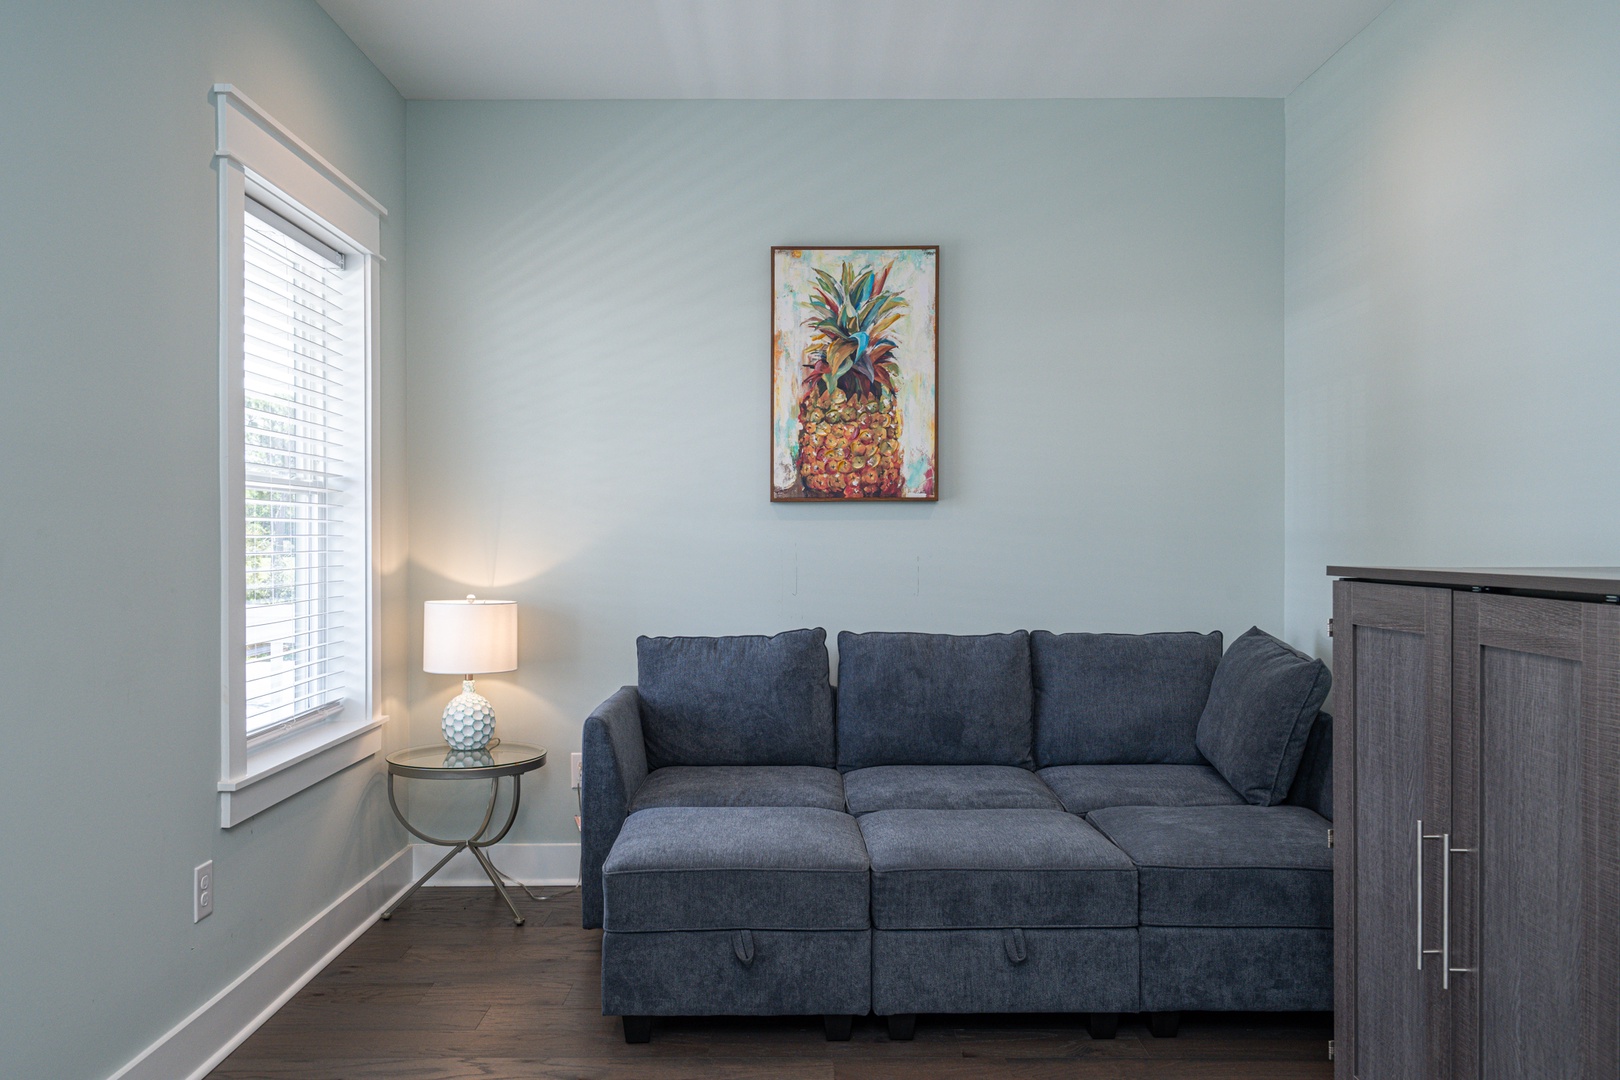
{"x": 578, "y": 879}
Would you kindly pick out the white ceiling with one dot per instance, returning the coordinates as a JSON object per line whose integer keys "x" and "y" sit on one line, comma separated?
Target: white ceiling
{"x": 496, "y": 49}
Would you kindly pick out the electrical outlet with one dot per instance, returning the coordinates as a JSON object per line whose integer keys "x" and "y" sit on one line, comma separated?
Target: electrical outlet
{"x": 202, "y": 891}
{"x": 574, "y": 765}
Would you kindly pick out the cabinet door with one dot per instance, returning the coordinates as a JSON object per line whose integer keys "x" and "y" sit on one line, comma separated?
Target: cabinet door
{"x": 1391, "y": 784}
{"x": 1535, "y": 945}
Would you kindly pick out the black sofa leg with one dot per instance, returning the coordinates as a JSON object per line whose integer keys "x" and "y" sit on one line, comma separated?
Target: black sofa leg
{"x": 902, "y": 1027}
{"x": 1104, "y": 1025}
{"x": 838, "y": 1026}
{"x": 1164, "y": 1025}
{"x": 637, "y": 1029}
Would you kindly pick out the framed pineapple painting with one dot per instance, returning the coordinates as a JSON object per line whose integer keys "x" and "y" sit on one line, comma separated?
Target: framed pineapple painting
{"x": 854, "y": 368}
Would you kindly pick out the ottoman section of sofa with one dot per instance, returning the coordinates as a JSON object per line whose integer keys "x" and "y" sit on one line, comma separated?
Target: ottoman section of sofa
{"x": 736, "y": 911}
{"x": 999, "y": 911}
{"x": 958, "y": 869}
{"x": 1236, "y": 905}
{"x": 737, "y": 973}
{"x": 1236, "y": 969}
{"x": 732, "y": 868}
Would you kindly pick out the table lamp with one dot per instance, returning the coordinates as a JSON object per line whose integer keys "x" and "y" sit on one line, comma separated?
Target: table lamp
{"x": 469, "y": 637}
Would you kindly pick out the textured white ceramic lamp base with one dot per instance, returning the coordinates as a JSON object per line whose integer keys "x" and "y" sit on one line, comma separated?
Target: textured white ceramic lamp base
{"x": 469, "y": 720}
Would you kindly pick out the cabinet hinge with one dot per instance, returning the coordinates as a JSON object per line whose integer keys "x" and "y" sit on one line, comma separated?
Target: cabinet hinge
{"x": 1330, "y": 1049}
{"x": 1330, "y": 838}
{"x": 1330, "y": 628}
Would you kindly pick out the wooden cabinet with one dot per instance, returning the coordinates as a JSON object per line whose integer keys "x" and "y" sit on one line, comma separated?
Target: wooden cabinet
{"x": 1477, "y": 859}
{"x": 1392, "y": 762}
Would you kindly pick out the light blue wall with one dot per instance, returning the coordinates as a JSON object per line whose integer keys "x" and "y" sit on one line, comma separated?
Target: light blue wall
{"x": 1453, "y": 295}
{"x": 109, "y": 517}
{"x": 588, "y": 317}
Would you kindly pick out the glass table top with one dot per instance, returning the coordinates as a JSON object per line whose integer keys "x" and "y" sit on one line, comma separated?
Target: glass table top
{"x": 500, "y": 759}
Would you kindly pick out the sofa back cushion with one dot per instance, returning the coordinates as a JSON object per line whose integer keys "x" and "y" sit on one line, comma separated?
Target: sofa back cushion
{"x": 934, "y": 699}
{"x": 1262, "y": 703}
{"x": 746, "y": 700}
{"x": 1313, "y": 783}
{"x": 1120, "y": 699}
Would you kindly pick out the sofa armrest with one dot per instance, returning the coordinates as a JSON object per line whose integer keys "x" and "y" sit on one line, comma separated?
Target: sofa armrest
{"x": 613, "y": 766}
{"x": 1313, "y": 784}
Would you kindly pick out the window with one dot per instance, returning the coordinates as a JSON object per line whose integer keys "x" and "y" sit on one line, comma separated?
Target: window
{"x": 298, "y": 261}
{"x": 298, "y": 393}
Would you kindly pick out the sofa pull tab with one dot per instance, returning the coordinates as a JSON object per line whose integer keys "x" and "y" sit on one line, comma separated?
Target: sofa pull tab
{"x": 1015, "y": 946}
{"x": 743, "y": 944}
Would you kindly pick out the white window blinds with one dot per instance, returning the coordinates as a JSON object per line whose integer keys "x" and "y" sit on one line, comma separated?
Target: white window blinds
{"x": 300, "y": 466}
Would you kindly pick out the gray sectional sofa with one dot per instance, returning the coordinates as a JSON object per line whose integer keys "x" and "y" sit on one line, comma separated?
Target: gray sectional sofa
{"x": 1089, "y": 823}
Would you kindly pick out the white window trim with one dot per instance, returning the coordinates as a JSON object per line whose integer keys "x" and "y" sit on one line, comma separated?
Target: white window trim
{"x": 255, "y": 153}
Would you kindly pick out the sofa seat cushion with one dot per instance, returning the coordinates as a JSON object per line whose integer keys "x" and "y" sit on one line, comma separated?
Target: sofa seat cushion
{"x": 740, "y": 785}
{"x": 1084, "y": 788}
{"x": 934, "y": 699}
{"x": 946, "y": 787}
{"x": 950, "y": 869}
{"x": 744, "y": 700}
{"x": 724, "y": 868}
{"x": 1261, "y": 707}
{"x": 1226, "y": 865}
{"x": 1105, "y": 699}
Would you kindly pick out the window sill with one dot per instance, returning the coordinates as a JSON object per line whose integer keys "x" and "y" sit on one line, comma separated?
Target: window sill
{"x": 282, "y": 768}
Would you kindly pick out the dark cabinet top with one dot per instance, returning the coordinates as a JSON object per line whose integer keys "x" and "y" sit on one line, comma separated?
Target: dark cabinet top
{"x": 1582, "y": 581}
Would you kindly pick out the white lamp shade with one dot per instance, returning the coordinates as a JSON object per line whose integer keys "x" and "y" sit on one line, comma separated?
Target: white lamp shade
{"x": 469, "y": 637}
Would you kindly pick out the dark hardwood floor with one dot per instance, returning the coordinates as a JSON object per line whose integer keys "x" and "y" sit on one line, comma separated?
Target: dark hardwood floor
{"x": 449, "y": 988}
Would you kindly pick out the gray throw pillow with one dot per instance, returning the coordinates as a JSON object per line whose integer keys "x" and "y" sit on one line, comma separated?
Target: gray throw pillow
{"x": 1261, "y": 706}
{"x": 745, "y": 700}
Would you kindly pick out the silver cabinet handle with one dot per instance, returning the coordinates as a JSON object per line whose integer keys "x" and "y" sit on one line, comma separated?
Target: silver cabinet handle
{"x": 1422, "y": 836}
{"x": 1445, "y": 915}
{"x": 1446, "y": 970}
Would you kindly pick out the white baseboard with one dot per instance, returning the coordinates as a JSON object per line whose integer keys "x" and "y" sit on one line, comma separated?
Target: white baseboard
{"x": 203, "y": 1039}
{"x": 532, "y": 864}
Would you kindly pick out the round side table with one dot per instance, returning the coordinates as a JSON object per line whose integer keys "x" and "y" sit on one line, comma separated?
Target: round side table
{"x": 503, "y": 759}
